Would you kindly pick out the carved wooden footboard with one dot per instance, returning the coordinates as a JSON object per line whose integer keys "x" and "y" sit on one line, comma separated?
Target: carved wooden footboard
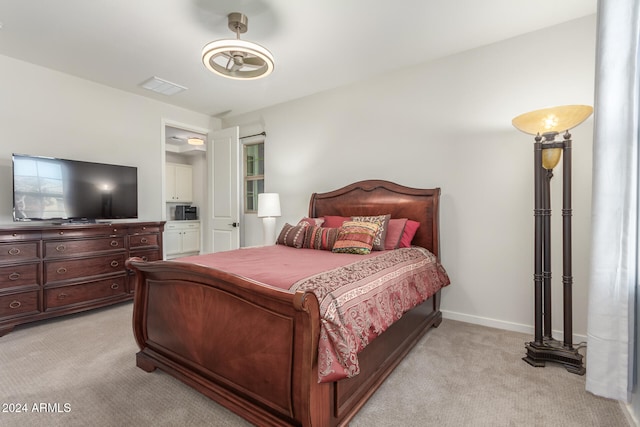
{"x": 252, "y": 348}
{"x": 243, "y": 345}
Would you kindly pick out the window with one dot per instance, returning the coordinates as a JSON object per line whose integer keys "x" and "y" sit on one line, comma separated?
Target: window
{"x": 39, "y": 189}
{"x": 253, "y": 175}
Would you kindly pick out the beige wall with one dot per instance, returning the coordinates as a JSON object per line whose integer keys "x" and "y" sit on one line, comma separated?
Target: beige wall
{"x": 447, "y": 123}
{"x": 47, "y": 113}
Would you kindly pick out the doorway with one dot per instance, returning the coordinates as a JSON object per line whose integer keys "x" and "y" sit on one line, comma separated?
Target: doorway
{"x": 184, "y": 183}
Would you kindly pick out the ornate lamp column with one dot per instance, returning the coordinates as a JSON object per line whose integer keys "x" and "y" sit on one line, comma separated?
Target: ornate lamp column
{"x": 546, "y": 124}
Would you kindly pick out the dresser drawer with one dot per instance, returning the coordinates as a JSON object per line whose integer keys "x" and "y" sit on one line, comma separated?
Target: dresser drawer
{"x": 84, "y": 293}
{"x": 147, "y": 255}
{"x": 14, "y": 276}
{"x": 145, "y": 229}
{"x": 19, "y": 304}
{"x": 65, "y": 248}
{"x": 81, "y": 231}
{"x": 17, "y": 252}
{"x": 19, "y": 235}
{"x": 59, "y": 270}
{"x": 141, "y": 240}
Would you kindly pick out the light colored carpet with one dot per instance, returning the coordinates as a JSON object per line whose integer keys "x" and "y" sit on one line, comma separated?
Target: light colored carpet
{"x": 82, "y": 368}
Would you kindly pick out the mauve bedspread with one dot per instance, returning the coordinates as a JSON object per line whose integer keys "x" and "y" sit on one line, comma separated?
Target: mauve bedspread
{"x": 360, "y": 296}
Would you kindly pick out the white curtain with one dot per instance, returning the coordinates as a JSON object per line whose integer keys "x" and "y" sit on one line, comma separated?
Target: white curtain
{"x": 614, "y": 246}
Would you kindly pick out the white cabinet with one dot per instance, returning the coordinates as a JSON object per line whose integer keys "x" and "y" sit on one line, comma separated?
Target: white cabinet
{"x": 181, "y": 238}
{"x": 179, "y": 183}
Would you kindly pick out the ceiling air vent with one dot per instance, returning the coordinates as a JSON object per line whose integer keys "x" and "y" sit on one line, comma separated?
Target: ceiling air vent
{"x": 164, "y": 87}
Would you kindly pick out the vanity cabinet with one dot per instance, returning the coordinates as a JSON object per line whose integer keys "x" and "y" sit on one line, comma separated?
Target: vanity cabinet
{"x": 49, "y": 271}
{"x": 179, "y": 183}
{"x": 181, "y": 238}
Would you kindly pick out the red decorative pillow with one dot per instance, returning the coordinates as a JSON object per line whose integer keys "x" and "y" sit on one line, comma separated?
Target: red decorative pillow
{"x": 332, "y": 221}
{"x": 407, "y": 235}
{"x": 292, "y": 235}
{"x": 394, "y": 233}
{"x": 320, "y": 238}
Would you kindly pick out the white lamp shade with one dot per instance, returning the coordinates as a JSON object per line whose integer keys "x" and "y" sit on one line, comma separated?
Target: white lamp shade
{"x": 268, "y": 205}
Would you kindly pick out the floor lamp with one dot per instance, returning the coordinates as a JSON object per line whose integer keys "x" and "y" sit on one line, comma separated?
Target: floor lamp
{"x": 546, "y": 124}
{"x": 268, "y": 210}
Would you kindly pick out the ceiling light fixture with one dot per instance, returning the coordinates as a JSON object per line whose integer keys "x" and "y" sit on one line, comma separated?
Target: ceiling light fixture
{"x": 195, "y": 141}
{"x": 237, "y": 59}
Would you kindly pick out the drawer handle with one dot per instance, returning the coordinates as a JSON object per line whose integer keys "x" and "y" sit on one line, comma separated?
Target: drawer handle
{"x": 144, "y": 240}
{"x": 115, "y": 286}
{"x": 61, "y": 248}
{"x": 14, "y": 251}
{"x": 145, "y": 258}
{"x": 62, "y": 295}
{"x": 14, "y": 276}
{"x": 114, "y": 243}
{"x": 15, "y": 304}
{"x": 114, "y": 263}
{"x": 61, "y": 270}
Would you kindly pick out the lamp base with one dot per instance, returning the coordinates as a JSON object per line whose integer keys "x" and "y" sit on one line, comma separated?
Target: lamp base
{"x": 554, "y": 351}
{"x": 268, "y": 231}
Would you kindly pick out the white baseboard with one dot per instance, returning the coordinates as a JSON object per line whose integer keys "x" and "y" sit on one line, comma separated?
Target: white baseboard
{"x": 627, "y": 409}
{"x": 508, "y": 326}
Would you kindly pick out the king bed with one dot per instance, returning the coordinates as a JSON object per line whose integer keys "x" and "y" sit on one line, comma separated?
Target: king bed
{"x": 274, "y": 349}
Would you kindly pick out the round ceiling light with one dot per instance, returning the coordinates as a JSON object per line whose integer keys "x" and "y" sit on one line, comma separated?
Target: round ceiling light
{"x": 235, "y": 58}
{"x": 194, "y": 140}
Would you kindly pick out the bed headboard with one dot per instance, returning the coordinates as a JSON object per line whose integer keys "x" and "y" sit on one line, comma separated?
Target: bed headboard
{"x": 378, "y": 197}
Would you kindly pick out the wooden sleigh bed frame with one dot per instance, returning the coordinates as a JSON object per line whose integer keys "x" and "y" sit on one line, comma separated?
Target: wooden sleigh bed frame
{"x": 252, "y": 348}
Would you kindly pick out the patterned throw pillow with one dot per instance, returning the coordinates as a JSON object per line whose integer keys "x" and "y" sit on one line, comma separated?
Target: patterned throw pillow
{"x": 292, "y": 235}
{"x": 311, "y": 221}
{"x": 320, "y": 238}
{"x": 383, "y": 226}
{"x": 355, "y": 237}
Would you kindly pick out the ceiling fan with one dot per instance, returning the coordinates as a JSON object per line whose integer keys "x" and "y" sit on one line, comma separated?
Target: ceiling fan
{"x": 235, "y": 58}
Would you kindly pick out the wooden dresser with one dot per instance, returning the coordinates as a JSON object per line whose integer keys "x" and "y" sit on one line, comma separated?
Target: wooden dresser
{"x": 48, "y": 271}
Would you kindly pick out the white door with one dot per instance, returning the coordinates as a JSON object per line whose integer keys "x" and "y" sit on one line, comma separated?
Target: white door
{"x": 223, "y": 225}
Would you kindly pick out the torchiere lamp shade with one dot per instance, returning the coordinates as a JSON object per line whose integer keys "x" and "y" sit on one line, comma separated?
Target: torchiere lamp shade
{"x": 552, "y": 120}
{"x": 549, "y": 122}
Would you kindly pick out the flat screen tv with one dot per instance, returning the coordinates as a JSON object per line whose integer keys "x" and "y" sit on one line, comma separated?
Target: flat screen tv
{"x": 60, "y": 190}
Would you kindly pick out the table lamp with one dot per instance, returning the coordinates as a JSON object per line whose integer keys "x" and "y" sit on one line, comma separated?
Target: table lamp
{"x": 268, "y": 210}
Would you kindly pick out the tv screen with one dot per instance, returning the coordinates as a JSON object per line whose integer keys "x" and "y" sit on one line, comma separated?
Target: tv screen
{"x": 46, "y": 188}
